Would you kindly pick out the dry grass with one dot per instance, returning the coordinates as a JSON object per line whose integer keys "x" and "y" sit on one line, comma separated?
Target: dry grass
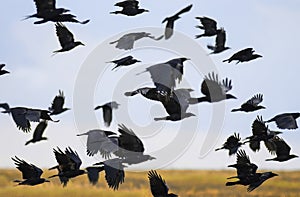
{"x": 186, "y": 183}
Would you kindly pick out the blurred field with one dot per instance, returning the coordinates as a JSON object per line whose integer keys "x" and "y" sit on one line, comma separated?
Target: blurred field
{"x": 186, "y": 183}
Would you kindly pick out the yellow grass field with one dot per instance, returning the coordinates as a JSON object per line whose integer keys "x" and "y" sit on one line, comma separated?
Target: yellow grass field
{"x": 185, "y": 183}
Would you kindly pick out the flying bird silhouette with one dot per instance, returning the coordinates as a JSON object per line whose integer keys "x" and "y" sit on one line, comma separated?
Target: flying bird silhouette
{"x": 125, "y": 61}
{"x": 2, "y": 72}
{"x": 261, "y": 132}
{"x": 220, "y": 42}
{"x": 164, "y": 75}
{"x": 176, "y": 105}
{"x": 68, "y": 165}
{"x": 214, "y": 90}
{"x": 66, "y": 38}
{"x": 30, "y": 173}
{"x": 252, "y": 104}
{"x": 47, "y": 11}
{"x": 126, "y": 42}
{"x": 104, "y": 142}
{"x": 171, "y": 20}
{"x": 246, "y": 173}
{"x": 107, "y": 111}
{"x": 208, "y": 25}
{"x": 286, "y": 120}
{"x": 232, "y": 144}
{"x": 22, "y": 116}
{"x": 129, "y": 8}
{"x": 158, "y": 185}
{"x": 38, "y": 133}
{"x": 281, "y": 149}
{"x": 244, "y": 55}
{"x": 57, "y": 106}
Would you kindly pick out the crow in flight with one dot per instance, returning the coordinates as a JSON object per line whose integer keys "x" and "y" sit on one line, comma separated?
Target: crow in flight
{"x": 31, "y": 174}
{"x": 129, "y": 8}
{"x": 208, "y": 25}
{"x": 232, "y": 144}
{"x": 107, "y": 111}
{"x": 66, "y": 38}
{"x": 244, "y": 55}
{"x": 125, "y": 61}
{"x": 158, "y": 185}
{"x": 214, "y": 90}
{"x": 286, "y": 120}
{"x": 252, "y": 104}
{"x": 171, "y": 20}
{"x": 220, "y": 42}
{"x": 2, "y": 72}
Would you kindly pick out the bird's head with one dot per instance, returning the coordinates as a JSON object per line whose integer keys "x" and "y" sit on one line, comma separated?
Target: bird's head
{"x": 183, "y": 59}
{"x": 189, "y": 115}
{"x": 79, "y": 43}
{"x": 271, "y": 174}
{"x": 261, "y": 107}
{"x": 296, "y": 115}
{"x": 256, "y": 56}
{"x": 293, "y": 156}
{"x": 229, "y": 96}
{"x": 5, "y": 72}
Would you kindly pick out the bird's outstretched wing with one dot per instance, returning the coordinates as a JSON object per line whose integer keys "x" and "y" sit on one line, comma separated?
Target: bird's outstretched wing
{"x": 158, "y": 185}
{"x": 64, "y": 35}
{"x": 29, "y": 171}
{"x": 255, "y": 100}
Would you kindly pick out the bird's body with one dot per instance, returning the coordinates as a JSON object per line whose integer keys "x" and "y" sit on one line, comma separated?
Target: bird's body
{"x": 158, "y": 185}
{"x": 246, "y": 173}
{"x": 129, "y": 8}
{"x": 68, "y": 165}
{"x": 66, "y": 38}
{"x": 282, "y": 150}
{"x": 244, "y": 55}
{"x": 214, "y": 90}
{"x": 147, "y": 92}
{"x": 107, "y": 111}
{"x": 261, "y": 132}
{"x": 252, "y": 104}
{"x": 126, "y": 42}
{"x": 220, "y": 42}
{"x": 31, "y": 174}
{"x": 2, "y": 72}
{"x": 208, "y": 25}
{"x": 286, "y": 120}
{"x": 38, "y": 133}
{"x": 57, "y": 104}
{"x": 22, "y": 116}
{"x": 232, "y": 144}
{"x": 171, "y": 20}
{"x": 125, "y": 61}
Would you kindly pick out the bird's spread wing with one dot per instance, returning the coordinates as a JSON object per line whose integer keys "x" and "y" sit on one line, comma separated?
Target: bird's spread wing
{"x": 184, "y": 10}
{"x": 64, "y": 35}
{"x": 221, "y": 39}
{"x": 282, "y": 148}
{"x": 58, "y": 101}
{"x": 74, "y": 157}
{"x": 158, "y": 185}
{"x": 114, "y": 172}
{"x": 213, "y": 88}
{"x": 208, "y": 23}
{"x": 39, "y": 130}
{"x": 128, "y": 3}
{"x": 29, "y": 171}
{"x": 93, "y": 174}
{"x": 258, "y": 126}
{"x": 44, "y": 5}
{"x": 19, "y": 117}
{"x": 255, "y": 100}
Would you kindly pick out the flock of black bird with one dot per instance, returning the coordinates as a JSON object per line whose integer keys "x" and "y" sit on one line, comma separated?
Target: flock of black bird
{"x": 126, "y": 148}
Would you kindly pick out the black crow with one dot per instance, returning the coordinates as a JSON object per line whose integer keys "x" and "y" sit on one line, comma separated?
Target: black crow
{"x": 252, "y": 104}
{"x": 286, "y": 120}
{"x": 129, "y": 8}
{"x": 246, "y": 173}
{"x": 30, "y": 173}
{"x": 171, "y": 20}
{"x": 66, "y": 38}
{"x": 126, "y": 42}
{"x": 244, "y": 55}
{"x": 232, "y": 144}
{"x": 208, "y": 25}
{"x": 214, "y": 90}
{"x": 158, "y": 185}
{"x": 261, "y": 132}
{"x": 282, "y": 150}
{"x": 57, "y": 106}
{"x": 68, "y": 165}
{"x": 107, "y": 111}
{"x": 125, "y": 61}
{"x": 38, "y": 133}
{"x": 220, "y": 42}
{"x": 101, "y": 141}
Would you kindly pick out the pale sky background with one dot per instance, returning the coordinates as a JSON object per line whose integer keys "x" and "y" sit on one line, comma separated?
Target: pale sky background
{"x": 271, "y": 28}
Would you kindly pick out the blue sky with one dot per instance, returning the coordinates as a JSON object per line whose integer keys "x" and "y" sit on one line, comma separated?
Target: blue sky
{"x": 269, "y": 27}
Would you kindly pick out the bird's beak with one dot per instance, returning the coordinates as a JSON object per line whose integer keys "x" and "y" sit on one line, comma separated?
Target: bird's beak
{"x": 138, "y": 61}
